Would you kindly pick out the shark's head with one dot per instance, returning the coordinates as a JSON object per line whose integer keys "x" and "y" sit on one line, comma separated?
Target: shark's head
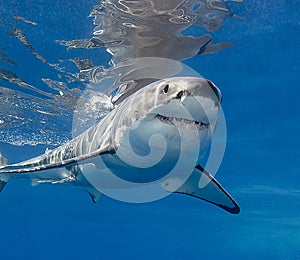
{"x": 185, "y": 100}
{"x": 188, "y": 100}
{"x": 165, "y": 118}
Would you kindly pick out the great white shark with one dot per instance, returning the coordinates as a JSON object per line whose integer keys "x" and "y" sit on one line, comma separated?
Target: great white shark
{"x": 165, "y": 125}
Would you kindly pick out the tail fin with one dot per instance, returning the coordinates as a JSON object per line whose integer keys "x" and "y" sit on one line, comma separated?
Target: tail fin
{"x": 2, "y": 185}
{"x": 3, "y": 163}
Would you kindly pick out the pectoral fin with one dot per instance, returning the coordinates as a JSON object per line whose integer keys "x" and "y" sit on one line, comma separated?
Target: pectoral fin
{"x": 212, "y": 192}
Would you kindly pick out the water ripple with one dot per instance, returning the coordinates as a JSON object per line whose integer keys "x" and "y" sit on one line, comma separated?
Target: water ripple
{"x": 31, "y": 113}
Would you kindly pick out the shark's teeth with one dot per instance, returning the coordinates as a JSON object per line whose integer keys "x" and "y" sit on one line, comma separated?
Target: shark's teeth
{"x": 172, "y": 120}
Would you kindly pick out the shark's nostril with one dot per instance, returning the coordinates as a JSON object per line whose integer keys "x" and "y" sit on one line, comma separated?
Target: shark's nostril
{"x": 180, "y": 94}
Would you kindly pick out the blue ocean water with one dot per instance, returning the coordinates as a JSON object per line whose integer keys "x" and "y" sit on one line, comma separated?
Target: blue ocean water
{"x": 259, "y": 78}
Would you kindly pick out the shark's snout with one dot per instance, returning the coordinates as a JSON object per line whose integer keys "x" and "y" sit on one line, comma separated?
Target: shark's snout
{"x": 215, "y": 89}
{"x": 199, "y": 87}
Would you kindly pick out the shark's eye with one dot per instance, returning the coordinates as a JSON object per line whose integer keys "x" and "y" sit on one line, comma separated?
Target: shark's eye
{"x": 166, "y": 88}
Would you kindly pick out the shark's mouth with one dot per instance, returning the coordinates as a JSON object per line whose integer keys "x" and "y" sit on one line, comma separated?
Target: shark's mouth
{"x": 174, "y": 120}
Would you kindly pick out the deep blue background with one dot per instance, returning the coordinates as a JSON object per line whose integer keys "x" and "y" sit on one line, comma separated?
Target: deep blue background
{"x": 259, "y": 79}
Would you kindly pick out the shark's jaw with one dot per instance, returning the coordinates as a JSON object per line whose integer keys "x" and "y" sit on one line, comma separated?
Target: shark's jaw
{"x": 187, "y": 122}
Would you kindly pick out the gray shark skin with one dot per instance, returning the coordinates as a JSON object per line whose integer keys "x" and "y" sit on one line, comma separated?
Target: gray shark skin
{"x": 177, "y": 111}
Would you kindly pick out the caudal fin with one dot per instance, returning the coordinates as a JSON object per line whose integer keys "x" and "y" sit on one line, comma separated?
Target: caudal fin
{"x": 3, "y": 180}
{"x": 2, "y": 185}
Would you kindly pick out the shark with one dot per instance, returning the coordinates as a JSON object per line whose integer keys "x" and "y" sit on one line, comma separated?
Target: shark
{"x": 160, "y": 134}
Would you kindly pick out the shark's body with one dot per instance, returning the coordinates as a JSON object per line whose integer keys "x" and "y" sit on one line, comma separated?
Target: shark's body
{"x": 141, "y": 140}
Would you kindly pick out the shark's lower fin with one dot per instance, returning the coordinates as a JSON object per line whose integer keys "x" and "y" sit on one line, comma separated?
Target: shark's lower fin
{"x": 3, "y": 163}
{"x": 211, "y": 192}
{"x": 94, "y": 193}
{"x": 2, "y": 185}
